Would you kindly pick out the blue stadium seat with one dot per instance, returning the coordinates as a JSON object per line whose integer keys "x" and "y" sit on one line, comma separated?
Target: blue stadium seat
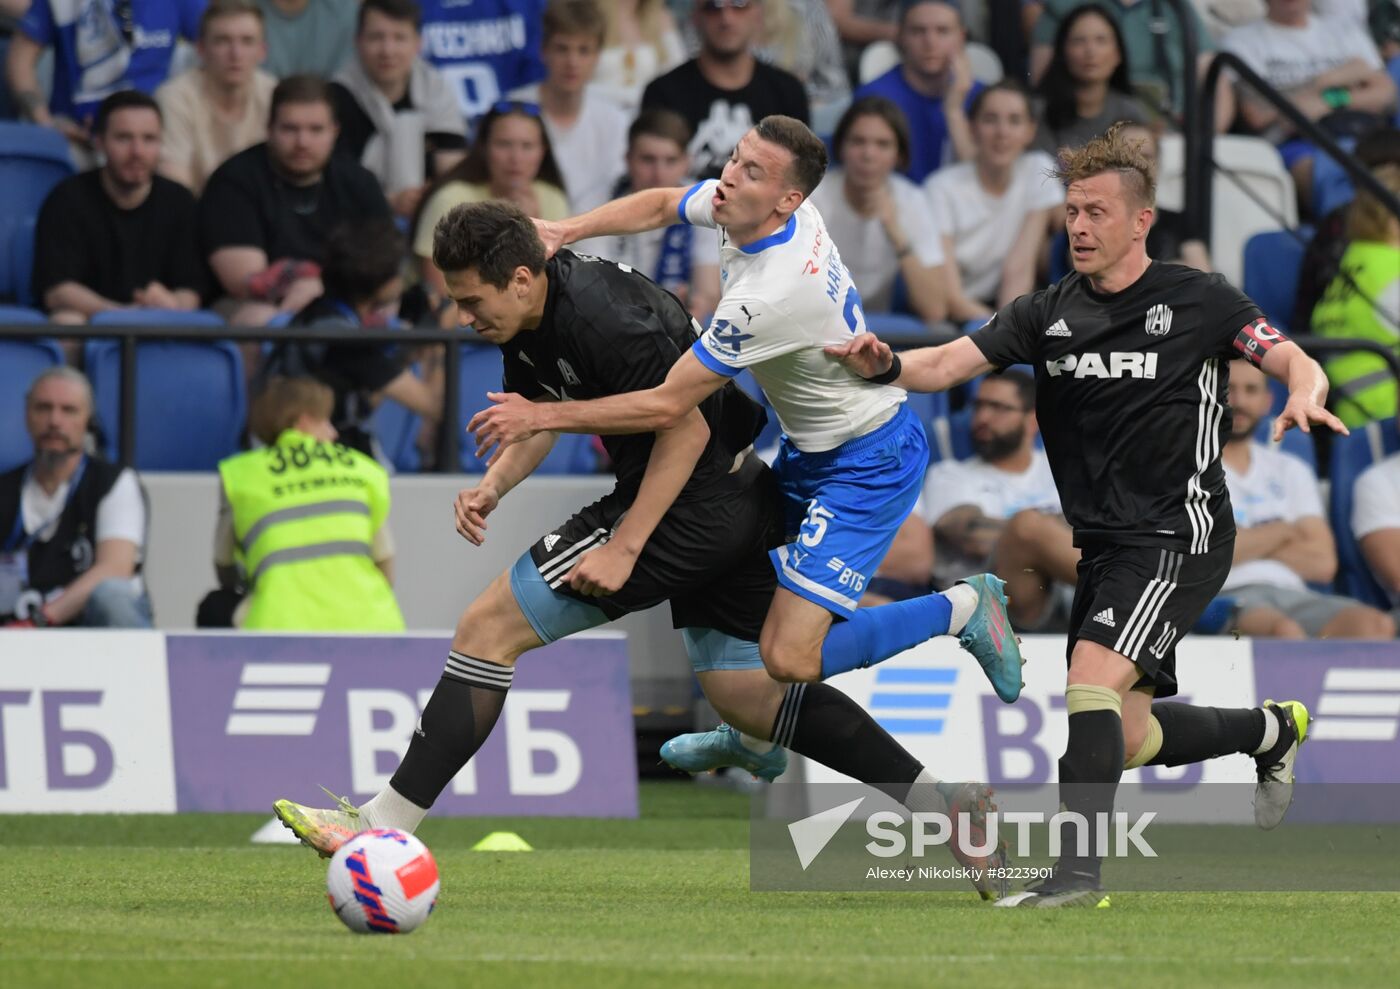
{"x": 20, "y": 363}
{"x": 886, "y": 324}
{"x": 22, "y": 260}
{"x": 1059, "y": 256}
{"x": 33, "y": 160}
{"x": 1351, "y": 455}
{"x": 481, "y": 372}
{"x": 190, "y": 400}
{"x": 158, "y": 317}
{"x": 1295, "y": 441}
{"x": 1271, "y": 262}
{"x": 396, "y": 429}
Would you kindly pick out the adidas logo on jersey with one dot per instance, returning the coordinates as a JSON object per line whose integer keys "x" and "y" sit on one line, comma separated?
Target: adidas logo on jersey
{"x": 1120, "y": 365}
{"x": 1059, "y": 329}
{"x": 550, "y": 541}
{"x": 1105, "y": 617}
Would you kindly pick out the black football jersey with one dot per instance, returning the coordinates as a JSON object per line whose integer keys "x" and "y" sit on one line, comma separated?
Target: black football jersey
{"x": 608, "y": 329}
{"x": 1131, "y": 399}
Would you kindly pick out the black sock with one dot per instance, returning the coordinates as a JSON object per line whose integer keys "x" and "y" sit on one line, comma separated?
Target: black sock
{"x": 820, "y": 722}
{"x": 1195, "y": 734}
{"x": 1089, "y": 773}
{"x": 457, "y": 720}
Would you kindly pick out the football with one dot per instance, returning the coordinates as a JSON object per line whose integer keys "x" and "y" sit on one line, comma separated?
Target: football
{"x": 383, "y": 881}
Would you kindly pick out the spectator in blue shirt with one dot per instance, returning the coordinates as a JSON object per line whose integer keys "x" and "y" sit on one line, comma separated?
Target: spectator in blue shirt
{"x": 100, "y": 47}
{"x": 932, "y": 84}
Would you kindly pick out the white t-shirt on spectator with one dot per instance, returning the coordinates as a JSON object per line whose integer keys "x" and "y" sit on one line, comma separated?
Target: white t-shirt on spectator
{"x": 983, "y": 226}
{"x": 643, "y": 251}
{"x": 1278, "y": 487}
{"x": 590, "y": 154}
{"x": 997, "y": 493}
{"x": 624, "y": 70}
{"x": 1288, "y": 57}
{"x": 1377, "y": 499}
{"x": 864, "y": 246}
{"x": 121, "y": 514}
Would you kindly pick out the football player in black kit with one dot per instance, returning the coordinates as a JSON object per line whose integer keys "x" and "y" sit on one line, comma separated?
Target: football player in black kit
{"x": 690, "y": 521}
{"x": 1131, "y": 387}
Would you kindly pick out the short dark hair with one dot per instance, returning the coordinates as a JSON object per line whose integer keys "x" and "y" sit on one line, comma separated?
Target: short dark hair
{"x": 888, "y": 111}
{"x": 907, "y": 6}
{"x": 360, "y": 257}
{"x": 574, "y": 17}
{"x": 303, "y": 88}
{"x": 666, "y": 124}
{"x": 493, "y": 237}
{"x": 807, "y": 150}
{"x": 395, "y": 10}
{"x": 219, "y": 9}
{"x": 124, "y": 99}
{"x": 1024, "y": 383}
{"x": 1004, "y": 85}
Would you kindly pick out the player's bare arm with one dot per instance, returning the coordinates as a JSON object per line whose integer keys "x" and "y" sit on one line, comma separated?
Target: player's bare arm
{"x": 472, "y": 505}
{"x": 926, "y": 369}
{"x": 649, "y": 209}
{"x": 673, "y": 458}
{"x": 513, "y": 418}
{"x": 1307, "y": 390}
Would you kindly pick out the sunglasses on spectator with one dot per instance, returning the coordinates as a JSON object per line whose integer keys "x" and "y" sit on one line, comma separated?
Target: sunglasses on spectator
{"x": 516, "y": 106}
{"x": 715, "y": 5}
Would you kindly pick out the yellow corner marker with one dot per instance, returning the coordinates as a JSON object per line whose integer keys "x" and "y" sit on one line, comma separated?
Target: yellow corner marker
{"x": 502, "y": 841}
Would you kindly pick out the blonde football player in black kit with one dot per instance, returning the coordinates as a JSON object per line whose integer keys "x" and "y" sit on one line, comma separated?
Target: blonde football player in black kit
{"x": 1131, "y": 399}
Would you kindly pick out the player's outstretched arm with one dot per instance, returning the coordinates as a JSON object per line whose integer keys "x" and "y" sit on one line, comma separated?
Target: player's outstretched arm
{"x": 672, "y": 461}
{"x": 513, "y": 419}
{"x": 1307, "y": 390}
{"x": 926, "y": 369}
{"x": 508, "y": 469}
{"x": 649, "y": 209}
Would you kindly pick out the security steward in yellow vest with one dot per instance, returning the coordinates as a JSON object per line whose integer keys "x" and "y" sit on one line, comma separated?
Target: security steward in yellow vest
{"x": 304, "y": 518}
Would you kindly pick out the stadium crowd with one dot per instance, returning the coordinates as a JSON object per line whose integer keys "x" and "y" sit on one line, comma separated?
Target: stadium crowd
{"x": 286, "y": 161}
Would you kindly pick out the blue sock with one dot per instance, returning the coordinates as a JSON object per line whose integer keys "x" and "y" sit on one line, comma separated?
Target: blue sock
{"x": 873, "y": 635}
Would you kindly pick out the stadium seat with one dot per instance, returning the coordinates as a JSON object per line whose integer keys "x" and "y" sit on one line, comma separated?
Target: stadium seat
{"x": 33, "y": 160}
{"x": 1351, "y": 455}
{"x": 20, "y": 363}
{"x": 21, "y": 265}
{"x": 894, "y": 324}
{"x": 396, "y": 429}
{"x": 190, "y": 400}
{"x": 1271, "y": 263}
{"x": 158, "y": 317}
{"x": 1251, "y": 192}
{"x": 481, "y": 372}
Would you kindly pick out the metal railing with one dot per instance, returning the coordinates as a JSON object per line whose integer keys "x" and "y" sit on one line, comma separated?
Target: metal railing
{"x": 1200, "y": 165}
{"x": 449, "y": 439}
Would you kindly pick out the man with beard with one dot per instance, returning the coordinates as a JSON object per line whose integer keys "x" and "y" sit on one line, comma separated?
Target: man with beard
{"x": 265, "y": 212}
{"x": 118, "y": 235}
{"x": 72, "y": 526}
{"x": 1282, "y": 542}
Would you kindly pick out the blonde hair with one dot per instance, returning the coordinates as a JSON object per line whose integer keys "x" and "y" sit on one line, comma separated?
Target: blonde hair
{"x": 1111, "y": 152}
{"x": 285, "y": 400}
{"x": 1367, "y": 217}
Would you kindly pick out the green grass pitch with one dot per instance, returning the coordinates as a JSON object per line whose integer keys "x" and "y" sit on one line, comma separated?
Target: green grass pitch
{"x": 98, "y": 902}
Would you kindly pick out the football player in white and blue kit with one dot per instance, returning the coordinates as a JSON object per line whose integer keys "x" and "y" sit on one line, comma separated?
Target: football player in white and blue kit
{"x": 852, "y": 457}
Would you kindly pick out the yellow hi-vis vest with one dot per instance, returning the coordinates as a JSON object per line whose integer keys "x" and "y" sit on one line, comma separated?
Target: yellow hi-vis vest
{"x": 1363, "y": 389}
{"x": 304, "y": 517}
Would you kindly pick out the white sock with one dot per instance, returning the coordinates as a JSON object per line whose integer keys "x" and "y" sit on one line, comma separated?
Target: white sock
{"x": 390, "y": 809}
{"x": 963, "y": 598}
{"x": 758, "y": 746}
{"x": 923, "y": 796}
{"x": 1270, "y": 731}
